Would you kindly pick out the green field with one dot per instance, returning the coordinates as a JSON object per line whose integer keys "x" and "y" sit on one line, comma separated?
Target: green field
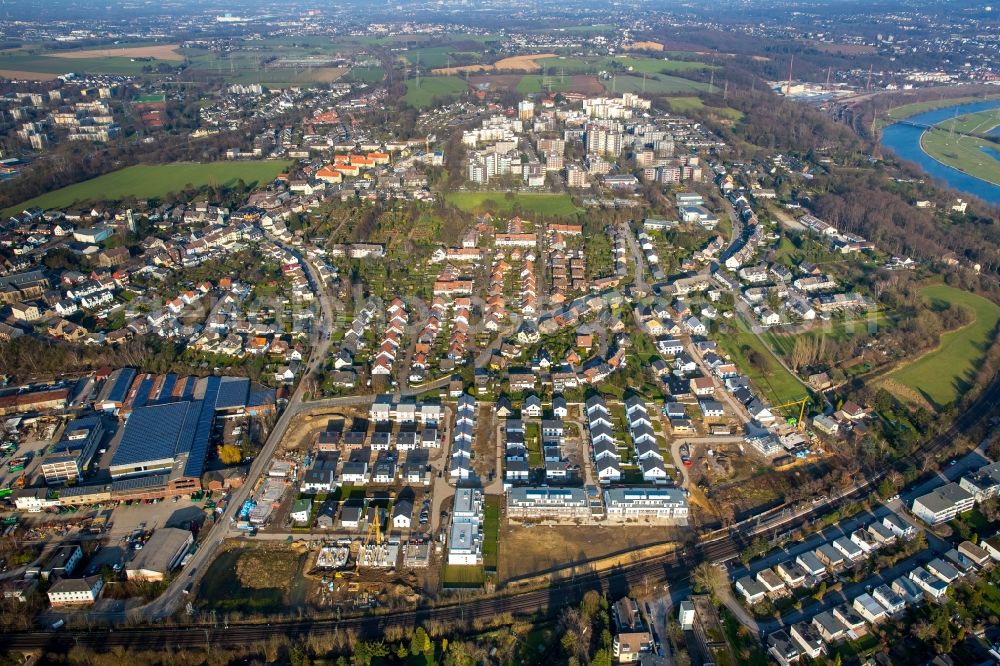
{"x": 966, "y": 153}
{"x": 660, "y": 84}
{"x": 491, "y": 532}
{"x": 367, "y": 74}
{"x": 645, "y": 65}
{"x": 838, "y": 330}
{"x": 941, "y": 375}
{"x": 29, "y": 62}
{"x": 149, "y": 181}
{"x": 454, "y": 575}
{"x": 433, "y": 87}
{"x": 531, "y": 84}
{"x": 559, "y": 205}
{"x": 778, "y": 384}
{"x": 682, "y": 104}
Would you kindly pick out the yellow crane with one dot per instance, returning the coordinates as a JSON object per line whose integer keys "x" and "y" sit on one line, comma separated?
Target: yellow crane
{"x": 801, "y": 421}
{"x": 374, "y": 534}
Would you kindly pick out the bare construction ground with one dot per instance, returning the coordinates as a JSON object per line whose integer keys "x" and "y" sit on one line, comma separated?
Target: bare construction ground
{"x": 536, "y": 550}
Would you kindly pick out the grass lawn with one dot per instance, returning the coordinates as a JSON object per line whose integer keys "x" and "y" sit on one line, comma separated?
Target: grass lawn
{"x": 533, "y": 442}
{"x": 455, "y": 575}
{"x": 942, "y": 374}
{"x": 779, "y": 385}
{"x": 431, "y": 88}
{"x": 972, "y": 155}
{"x": 367, "y": 74}
{"x": 147, "y": 181}
{"x": 543, "y": 204}
{"x": 491, "y": 532}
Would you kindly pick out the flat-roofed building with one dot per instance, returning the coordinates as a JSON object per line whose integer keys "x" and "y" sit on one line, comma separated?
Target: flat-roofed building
{"x": 547, "y": 502}
{"x": 72, "y": 454}
{"x": 160, "y": 555}
{"x": 943, "y": 504}
{"x": 661, "y": 504}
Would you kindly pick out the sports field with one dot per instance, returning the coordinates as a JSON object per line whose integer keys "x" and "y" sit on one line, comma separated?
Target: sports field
{"x": 431, "y": 88}
{"x": 973, "y": 155}
{"x": 942, "y": 374}
{"x": 149, "y": 181}
{"x": 559, "y": 205}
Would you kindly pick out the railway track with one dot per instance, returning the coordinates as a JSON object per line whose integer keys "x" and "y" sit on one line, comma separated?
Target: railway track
{"x": 674, "y": 567}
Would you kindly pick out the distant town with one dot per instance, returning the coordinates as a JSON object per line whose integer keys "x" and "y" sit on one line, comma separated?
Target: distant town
{"x": 505, "y": 334}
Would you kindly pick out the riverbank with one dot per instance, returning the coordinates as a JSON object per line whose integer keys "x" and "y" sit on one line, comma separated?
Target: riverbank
{"x": 905, "y": 140}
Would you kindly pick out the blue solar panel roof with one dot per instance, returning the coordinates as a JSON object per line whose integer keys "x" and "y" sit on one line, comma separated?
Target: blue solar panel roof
{"x": 152, "y": 433}
{"x": 119, "y": 390}
{"x": 232, "y": 392}
{"x": 167, "y": 388}
{"x": 199, "y": 448}
{"x": 142, "y": 393}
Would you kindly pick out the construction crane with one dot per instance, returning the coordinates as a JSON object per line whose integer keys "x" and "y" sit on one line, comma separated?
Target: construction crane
{"x": 801, "y": 422}
{"x": 374, "y": 534}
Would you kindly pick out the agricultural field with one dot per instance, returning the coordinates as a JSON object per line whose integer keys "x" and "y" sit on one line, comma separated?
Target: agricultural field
{"x": 158, "y": 51}
{"x": 660, "y": 84}
{"x": 754, "y": 358}
{"x": 47, "y": 66}
{"x": 943, "y": 374}
{"x": 556, "y": 205}
{"x": 657, "y": 66}
{"x": 433, "y": 87}
{"x": 149, "y": 181}
{"x": 975, "y": 156}
{"x": 367, "y": 74}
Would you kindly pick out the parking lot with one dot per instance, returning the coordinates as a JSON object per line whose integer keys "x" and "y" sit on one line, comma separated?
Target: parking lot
{"x": 126, "y": 519}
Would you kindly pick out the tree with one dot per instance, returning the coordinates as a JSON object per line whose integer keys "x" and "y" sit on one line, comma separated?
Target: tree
{"x": 365, "y": 651}
{"x": 230, "y": 454}
{"x": 420, "y": 643}
{"x": 709, "y": 578}
{"x": 601, "y": 658}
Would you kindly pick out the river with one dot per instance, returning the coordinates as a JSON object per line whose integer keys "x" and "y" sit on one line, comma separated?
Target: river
{"x": 904, "y": 140}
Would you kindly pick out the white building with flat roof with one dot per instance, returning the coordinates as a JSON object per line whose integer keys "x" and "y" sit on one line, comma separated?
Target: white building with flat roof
{"x": 465, "y": 540}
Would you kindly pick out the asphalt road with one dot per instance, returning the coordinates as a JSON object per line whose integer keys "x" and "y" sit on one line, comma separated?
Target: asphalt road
{"x": 167, "y": 603}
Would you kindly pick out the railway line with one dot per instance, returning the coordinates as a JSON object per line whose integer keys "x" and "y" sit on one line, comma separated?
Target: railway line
{"x": 718, "y": 547}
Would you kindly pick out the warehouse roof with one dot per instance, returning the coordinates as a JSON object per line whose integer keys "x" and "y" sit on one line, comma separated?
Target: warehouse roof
{"x": 160, "y": 432}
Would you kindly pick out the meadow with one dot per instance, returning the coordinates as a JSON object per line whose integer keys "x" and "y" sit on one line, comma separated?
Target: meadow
{"x": 966, "y": 153}
{"x": 149, "y": 181}
{"x": 942, "y": 374}
{"x": 774, "y": 381}
{"x": 556, "y": 205}
{"x": 433, "y": 87}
